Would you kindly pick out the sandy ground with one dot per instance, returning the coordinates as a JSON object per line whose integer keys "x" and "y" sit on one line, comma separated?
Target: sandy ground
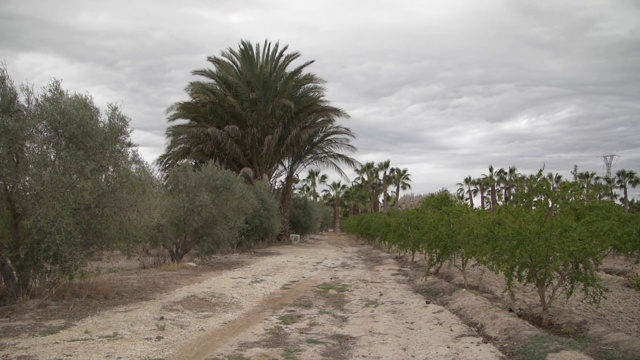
{"x": 326, "y": 298}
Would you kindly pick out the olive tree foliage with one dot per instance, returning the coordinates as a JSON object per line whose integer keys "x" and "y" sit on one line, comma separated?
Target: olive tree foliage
{"x": 71, "y": 183}
{"x": 308, "y": 216}
{"x": 209, "y": 209}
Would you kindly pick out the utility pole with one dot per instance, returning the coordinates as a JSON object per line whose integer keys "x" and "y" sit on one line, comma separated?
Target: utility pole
{"x": 608, "y": 160}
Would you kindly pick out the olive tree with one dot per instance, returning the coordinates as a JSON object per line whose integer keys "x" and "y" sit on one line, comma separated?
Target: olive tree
{"x": 211, "y": 209}
{"x": 71, "y": 183}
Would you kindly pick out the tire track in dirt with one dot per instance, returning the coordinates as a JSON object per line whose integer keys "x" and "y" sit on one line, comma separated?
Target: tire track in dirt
{"x": 217, "y": 338}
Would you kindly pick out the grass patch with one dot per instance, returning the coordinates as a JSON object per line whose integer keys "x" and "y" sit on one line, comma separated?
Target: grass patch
{"x": 313, "y": 341}
{"x": 538, "y": 347}
{"x": 256, "y": 281}
{"x": 400, "y": 272}
{"x": 291, "y": 353}
{"x": 434, "y": 293}
{"x": 635, "y": 283}
{"x": 113, "y": 336}
{"x": 304, "y": 302}
{"x": 80, "y": 339}
{"x": 54, "y": 329}
{"x": 340, "y": 288}
{"x": 289, "y": 319}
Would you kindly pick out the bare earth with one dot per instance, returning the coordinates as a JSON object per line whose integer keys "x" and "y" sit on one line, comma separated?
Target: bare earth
{"x": 329, "y": 297}
{"x": 326, "y": 298}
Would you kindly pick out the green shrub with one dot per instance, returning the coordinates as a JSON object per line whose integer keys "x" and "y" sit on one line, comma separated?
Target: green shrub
{"x": 263, "y": 221}
{"x": 309, "y": 217}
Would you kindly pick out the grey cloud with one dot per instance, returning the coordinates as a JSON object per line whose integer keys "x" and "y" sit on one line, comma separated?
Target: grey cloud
{"x": 444, "y": 88}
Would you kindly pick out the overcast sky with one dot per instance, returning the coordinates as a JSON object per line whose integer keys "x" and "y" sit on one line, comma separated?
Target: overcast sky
{"x": 443, "y": 88}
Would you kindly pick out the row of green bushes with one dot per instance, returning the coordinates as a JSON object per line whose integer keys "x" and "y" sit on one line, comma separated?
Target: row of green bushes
{"x": 544, "y": 236}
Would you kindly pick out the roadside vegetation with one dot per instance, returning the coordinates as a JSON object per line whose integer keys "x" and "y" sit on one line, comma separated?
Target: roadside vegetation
{"x": 536, "y": 229}
{"x": 72, "y": 183}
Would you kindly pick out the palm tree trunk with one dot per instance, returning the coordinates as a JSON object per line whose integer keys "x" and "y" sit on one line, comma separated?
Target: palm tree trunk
{"x": 494, "y": 197}
{"x": 285, "y": 208}
{"x": 336, "y": 216}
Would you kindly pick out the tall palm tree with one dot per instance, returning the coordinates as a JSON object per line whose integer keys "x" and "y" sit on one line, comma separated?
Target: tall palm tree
{"x": 481, "y": 186}
{"x": 368, "y": 173}
{"x": 260, "y": 115}
{"x": 607, "y": 185}
{"x": 358, "y": 196}
{"x": 507, "y": 179}
{"x": 384, "y": 167}
{"x": 335, "y": 192}
{"x": 467, "y": 188}
{"x": 624, "y": 180}
{"x": 491, "y": 179}
{"x": 587, "y": 180}
{"x": 401, "y": 179}
{"x": 313, "y": 180}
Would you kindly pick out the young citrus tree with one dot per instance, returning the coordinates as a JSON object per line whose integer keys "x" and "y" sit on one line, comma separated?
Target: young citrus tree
{"x": 547, "y": 239}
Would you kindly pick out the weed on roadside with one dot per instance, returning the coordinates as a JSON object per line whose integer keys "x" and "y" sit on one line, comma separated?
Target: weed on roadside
{"x": 538, "y": 347}
{"x": 54, "y": 329}
{"x": 340, "y": 288}
{"x": 291, "y": 353}
{"x": 303, "y": 302}
{"x": 113, "y": 336}
{"x": 289, "y": 319}
{"x": 313, "y": 341}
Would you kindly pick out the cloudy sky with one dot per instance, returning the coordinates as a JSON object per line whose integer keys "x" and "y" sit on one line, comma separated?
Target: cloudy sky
{"x": 443, "y": 88}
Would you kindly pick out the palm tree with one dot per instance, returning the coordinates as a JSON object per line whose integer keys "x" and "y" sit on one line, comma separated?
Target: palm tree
{"x": 384, "y": 167}
{"x": 369, "y": 175}
{"x": 335, "y": 193}
{"x": 258, "y": 115}
{"x": 491, "y": 181}
{"x": 400, "y": 178}
{"x": 587, "y": 180}
{"x": 313, "y": 180}
{"x": 481, "y": 186}
{"x": 607, "y": 184}
{"x": 358, "y": 197}
{"x": 508, "y": 180}
{"x": 467, "y": 188}
{"x": 624, "y": 180}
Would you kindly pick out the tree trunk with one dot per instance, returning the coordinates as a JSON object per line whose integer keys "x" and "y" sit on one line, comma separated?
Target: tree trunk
{"x": 10, "y": 279}
{"x": 494, "y": 197}
{"x": 285, "y": 209}
{"x": 542, "y": 294}
{"x": 336, "y": 216}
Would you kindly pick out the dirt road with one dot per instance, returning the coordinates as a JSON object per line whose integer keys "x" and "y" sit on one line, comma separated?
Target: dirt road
{"x": 325, "y": 298}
